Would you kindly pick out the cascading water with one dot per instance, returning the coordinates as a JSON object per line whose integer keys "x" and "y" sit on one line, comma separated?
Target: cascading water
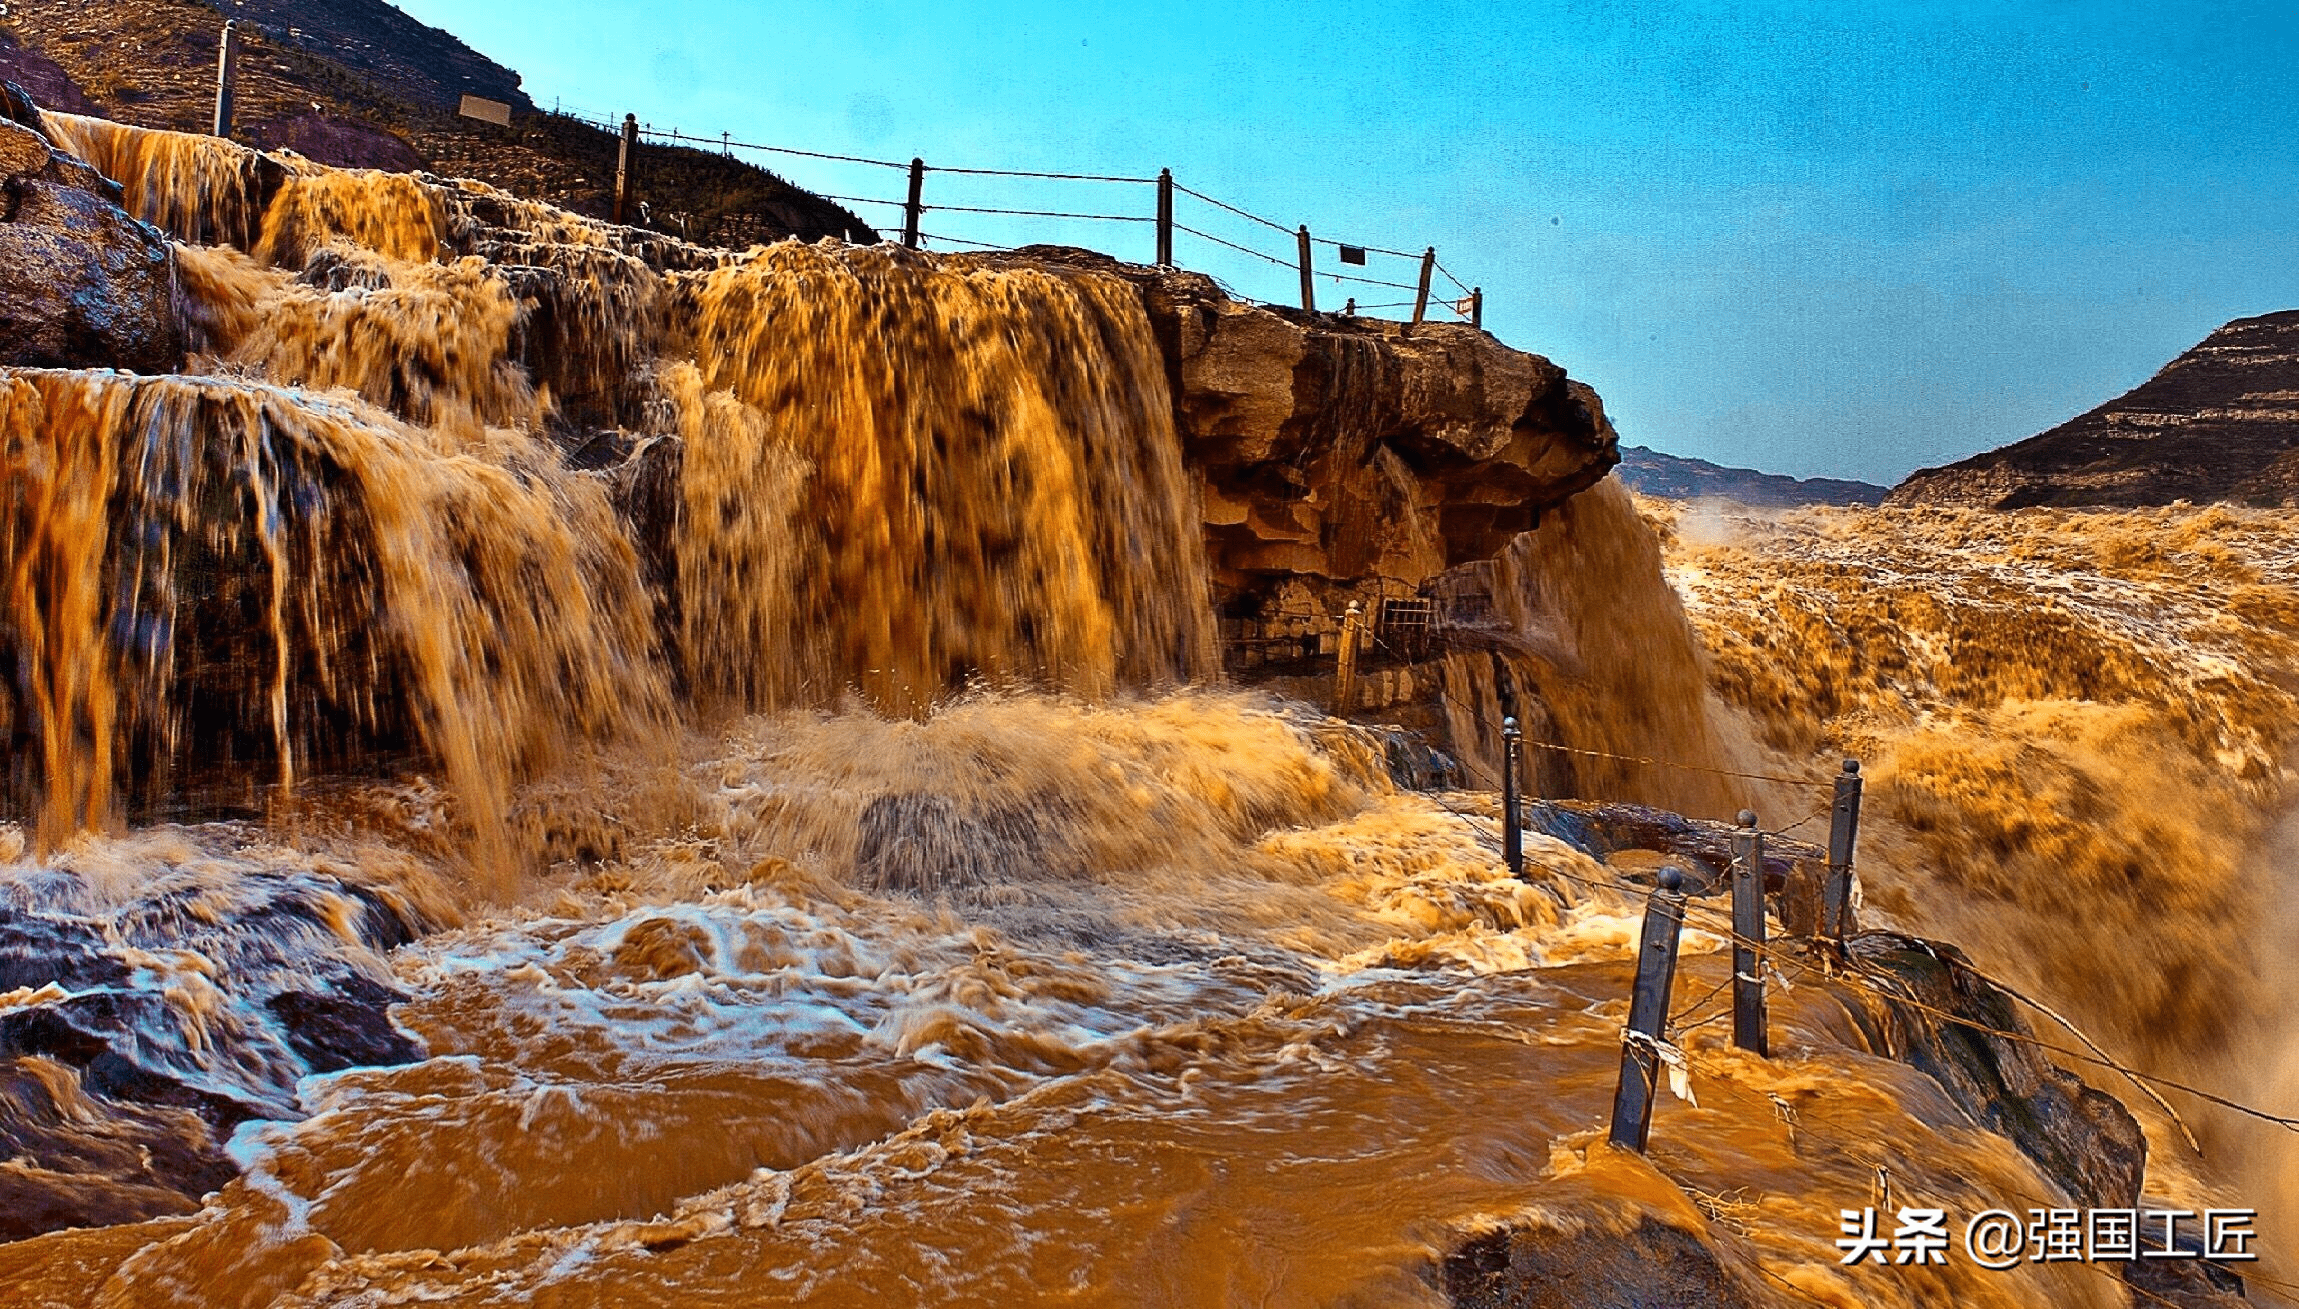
{"x": 213, "y": 575}
{"x": 961, "y": 471}
{"x": 808, "y": 624}
{"x": 890, "y": 474}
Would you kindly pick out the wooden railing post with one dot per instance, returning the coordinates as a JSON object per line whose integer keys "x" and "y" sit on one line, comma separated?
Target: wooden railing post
{"x": 1477, "y": 307}
{"x": 1165, "y": 218}
{"x": 912, "y": 207}
{"x": 1345, "y": 669}
{"x": 1836, "y": 898}
{"x": 1512, "y": 817}
{"x": 1749, "y": 1029}
{"x": 227, "y": 69}
{"x": 1308, "y": 277}
{"x": 1421, "y": 297}
{"x": 1647, "y": 1011}
{"x": 623, "y": 161}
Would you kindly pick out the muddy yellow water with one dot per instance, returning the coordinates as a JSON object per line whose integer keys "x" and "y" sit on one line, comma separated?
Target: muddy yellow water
{"x": 1250, "y": 1031}
{"x": 846, "y": 881}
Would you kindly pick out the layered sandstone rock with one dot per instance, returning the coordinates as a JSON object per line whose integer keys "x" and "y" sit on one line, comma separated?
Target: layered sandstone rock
{"x": 1354, "y": 449}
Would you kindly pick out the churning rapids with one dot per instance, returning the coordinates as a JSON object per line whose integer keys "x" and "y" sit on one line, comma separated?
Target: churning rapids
{"x": 797, "y": 847}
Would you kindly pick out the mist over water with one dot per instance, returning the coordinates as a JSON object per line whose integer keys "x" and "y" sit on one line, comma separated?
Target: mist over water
{"x": 761, "y": 712}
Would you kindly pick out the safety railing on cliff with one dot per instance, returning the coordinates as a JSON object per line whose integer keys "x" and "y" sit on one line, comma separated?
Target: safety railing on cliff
{"x": 1469, "y": 307}
{"x": 1465, "y": 303}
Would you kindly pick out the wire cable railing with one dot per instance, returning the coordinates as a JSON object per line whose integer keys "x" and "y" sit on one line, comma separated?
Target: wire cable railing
{"x": 1468, "y": 307}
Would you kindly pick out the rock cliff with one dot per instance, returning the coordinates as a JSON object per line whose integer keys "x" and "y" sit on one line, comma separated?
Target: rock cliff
{"x": 2219, "y": 423}
{"x": 1359, "y": 450}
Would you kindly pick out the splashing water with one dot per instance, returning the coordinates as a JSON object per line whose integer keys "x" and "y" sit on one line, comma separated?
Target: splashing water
{"x": 808, "y": 623}
{"x": 1204, "y": 1013}
{"x": 2079, "y": 727}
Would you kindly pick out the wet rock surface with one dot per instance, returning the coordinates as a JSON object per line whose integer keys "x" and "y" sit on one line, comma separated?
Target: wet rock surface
{"x": 1699, "y": 847}
{"x": 134, "y": 1038}
{"x": 81, "y": 282}
{"x": 1651, "y": 1266}
{"x": 2081, "y": 1137}
{"x": 78, "y": 1159}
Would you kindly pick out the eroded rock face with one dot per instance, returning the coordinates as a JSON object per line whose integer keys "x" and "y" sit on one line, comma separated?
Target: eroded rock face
{"x": 1347, "y": 448}
{"x": 81, "y": 283}
{"x": 1344, "y": 450}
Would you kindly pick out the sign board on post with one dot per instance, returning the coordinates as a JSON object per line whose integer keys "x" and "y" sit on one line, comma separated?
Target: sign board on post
{"x": 487, "y": 111}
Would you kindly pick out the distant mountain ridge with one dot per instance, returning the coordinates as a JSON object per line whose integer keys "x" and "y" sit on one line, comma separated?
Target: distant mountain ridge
{"x": 1649, "y": 472}
{"x": 2219, "y": 423}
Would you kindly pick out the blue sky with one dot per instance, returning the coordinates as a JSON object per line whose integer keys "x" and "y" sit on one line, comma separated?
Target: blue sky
{"x": 1817, "y": 239}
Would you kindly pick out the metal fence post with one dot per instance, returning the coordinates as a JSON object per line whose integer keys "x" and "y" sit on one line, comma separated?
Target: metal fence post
{"x": 1512, "y": 817}
{"x": 1647, "y": 1010}
{"x": 1345, "y": 669}
{"x": 1748, "y": 1021}
{"x": 1836, "y": 898}
{"x": 1477, "y": 307}
{"x": 1308, "y": 281}
{"x": 630, "y": 146}
{"x": 227, "y": 68}
{"x": 1421, "y": 297}
{"x": 912, "y": 207}
{"x": 1165, "y": 218}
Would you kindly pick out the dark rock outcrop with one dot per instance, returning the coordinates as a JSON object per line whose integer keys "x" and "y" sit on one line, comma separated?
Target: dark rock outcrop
{"x": 134, "y": 1038}
{"x": 1649, "y": 472}
{"x": 1650, "y": 1266}
{"x": 2080, "y": 1137}
{"x": 81, "y": 282}
{"x": 2219, "y": 423}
